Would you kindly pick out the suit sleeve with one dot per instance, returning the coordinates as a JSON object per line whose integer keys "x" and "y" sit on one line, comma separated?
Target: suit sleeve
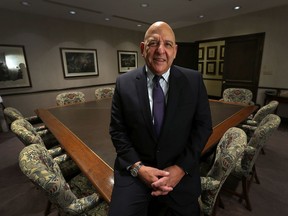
{"x": 126, "y": 154}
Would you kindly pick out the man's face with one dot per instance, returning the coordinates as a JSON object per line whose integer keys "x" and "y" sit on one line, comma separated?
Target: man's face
{"x": 159, "y": 48}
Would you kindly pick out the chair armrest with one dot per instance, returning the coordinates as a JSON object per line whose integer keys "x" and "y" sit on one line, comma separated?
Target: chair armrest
{"x": 34, "y": 119}
{"x": 248, "y": 127}
{"x": 40, "y": 128}
{"x": 82, "y": 205}
{"x": 252, "y": 123}
{"x": 247, "y": 159}
{"x": 209, "y": 183}
{"x": 55, "y": 151}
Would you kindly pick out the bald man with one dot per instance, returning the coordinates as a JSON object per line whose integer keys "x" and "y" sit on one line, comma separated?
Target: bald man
{"x": 158, "y": 166}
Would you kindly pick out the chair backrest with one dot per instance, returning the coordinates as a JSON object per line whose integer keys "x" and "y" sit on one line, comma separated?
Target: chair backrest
{"x": 26, "y": 132}
{"x": 38, "y": 165}
{"x": 66, "y": 98}
{"x": 265, "y": 110}
{"x": 12, "y": 113}
{"x": 104, "y": 92}
{"x": 238, "y": 95}
{"x": 229, "y": 150}
{"x": 262, "y": 133}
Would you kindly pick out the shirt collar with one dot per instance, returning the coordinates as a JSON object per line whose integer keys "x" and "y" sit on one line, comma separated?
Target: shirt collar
{"x": 150, "y": 75}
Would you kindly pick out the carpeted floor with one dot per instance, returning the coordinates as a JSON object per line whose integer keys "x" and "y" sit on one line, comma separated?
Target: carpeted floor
{"x": 19, "y": 197}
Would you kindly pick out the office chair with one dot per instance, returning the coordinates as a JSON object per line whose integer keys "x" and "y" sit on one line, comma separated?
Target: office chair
{"x": 229, "y": 150}
{"x": 104, "y": 92}
{"x": 70, "y": 98}
{"x": 245, "y": 169}
{"x": 76, "y": 197}
{"x": 238, "y": 95}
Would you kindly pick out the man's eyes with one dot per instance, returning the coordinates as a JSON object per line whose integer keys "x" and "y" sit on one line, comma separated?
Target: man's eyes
{"x": 157, "y": 43}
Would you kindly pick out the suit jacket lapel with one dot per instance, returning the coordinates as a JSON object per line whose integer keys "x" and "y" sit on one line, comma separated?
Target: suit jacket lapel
{"x": 173, "y": 97}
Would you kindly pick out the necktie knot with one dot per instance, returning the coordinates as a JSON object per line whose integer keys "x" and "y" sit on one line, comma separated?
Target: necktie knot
{"x": 156, "y": 80}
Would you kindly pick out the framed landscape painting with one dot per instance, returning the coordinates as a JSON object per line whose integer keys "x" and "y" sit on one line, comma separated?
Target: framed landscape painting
{"x": 127, "y": 60}
{"x": 79, "y": 62}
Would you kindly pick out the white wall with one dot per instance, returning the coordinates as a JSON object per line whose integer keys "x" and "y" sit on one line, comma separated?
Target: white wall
{"x": 42, "y": 37}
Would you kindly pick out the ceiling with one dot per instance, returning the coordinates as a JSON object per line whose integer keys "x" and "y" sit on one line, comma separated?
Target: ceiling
{"x": 129, "y": 14}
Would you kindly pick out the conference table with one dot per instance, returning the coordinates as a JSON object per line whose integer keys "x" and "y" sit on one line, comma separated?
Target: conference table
{"x": 83, "y": 131}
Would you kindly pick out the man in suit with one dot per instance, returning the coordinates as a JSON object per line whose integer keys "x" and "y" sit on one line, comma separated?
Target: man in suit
{"x": 158, "y": 165}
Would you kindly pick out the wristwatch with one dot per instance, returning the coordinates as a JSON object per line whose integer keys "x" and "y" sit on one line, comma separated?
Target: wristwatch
{"x": 134, "y": 170}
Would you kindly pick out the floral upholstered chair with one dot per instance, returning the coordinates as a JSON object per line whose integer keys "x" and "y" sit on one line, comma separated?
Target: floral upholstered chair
{"x": 13, "y": 114}
{"x": 245, "y": 169}
{"x": 26, "y": 133}
{"x": 77, "y": 197}
{"x": 70, "y": 98}
{"x": 238, "y": 95}
{"x": 105, "y": 92}
{"x": 252, "y": 123}
{"x": 229, "y": 150}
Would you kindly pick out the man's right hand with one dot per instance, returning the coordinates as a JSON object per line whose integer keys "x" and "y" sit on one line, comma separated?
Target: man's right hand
{"x": 150, "y": 175}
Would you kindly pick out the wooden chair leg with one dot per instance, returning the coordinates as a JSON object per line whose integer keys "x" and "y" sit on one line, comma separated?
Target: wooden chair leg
{"x": 221, "y": 204}
{"x": 245, "y": 189}
{"x": 254, "y": 174}
{"x": 263, "y": 151}
{"x": 48, "y": 208}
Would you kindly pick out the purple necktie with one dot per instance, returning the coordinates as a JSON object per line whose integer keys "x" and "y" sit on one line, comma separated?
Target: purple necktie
{"x": 158, "y": 104}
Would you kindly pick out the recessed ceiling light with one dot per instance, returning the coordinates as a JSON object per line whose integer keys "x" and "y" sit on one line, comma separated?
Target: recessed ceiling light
{"x": 25, "y": 3}
{"x": 107, "y": 19}
{"x": 144, "y": 5}
{"x": 72, "y": 12}
{"x": 237, "y": 7}
{"x": 201, "y": 16}
{"x": 139, "y": 25}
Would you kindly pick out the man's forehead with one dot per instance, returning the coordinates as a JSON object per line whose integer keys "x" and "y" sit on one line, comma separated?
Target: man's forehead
{"x": 160, "y": 31}
{"x": 164, "y": 37}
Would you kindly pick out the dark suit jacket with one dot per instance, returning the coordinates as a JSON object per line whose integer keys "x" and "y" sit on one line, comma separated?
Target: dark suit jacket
{"x": 186, "y": 128}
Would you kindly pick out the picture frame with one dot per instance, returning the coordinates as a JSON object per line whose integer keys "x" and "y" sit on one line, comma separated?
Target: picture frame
{"x": 201, "y": 53}
{"x": 222, "y": 52}
{"x": 221, "y": 67}
{"x": 79, "y": 62}
{"x": 14, "y": 71}
{"x": 211, "y": 53}
{"x": 200, "y": 67}
{"x": 210, "y": 68}
{"x": 127, "y": 60}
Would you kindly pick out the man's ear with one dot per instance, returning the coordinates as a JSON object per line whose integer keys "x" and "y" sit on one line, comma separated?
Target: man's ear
{"x": 176, "y": 49}
{"x": 142, "y": 47}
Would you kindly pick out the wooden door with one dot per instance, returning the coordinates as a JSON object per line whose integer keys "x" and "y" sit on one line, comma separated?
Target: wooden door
{"x": 242, "y": 62}
{"x": 187, "y": 55}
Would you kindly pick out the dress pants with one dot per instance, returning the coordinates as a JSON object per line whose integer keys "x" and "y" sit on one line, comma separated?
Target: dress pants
{"x": 131, "y": 197}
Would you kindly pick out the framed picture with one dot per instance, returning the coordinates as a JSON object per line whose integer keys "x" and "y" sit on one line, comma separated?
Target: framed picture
{"x": 211, "y": 53}
{"x": 222, "y": 52}
{"x": 201, "y": 53}
{"x": 79, "y": 62}
{"x": 221, "y": 67}
{"x": 14, "y": 72}
{"x": 211, "y": 68}
{"x": 127, "y": 60}
{"x": 200, "y": 67}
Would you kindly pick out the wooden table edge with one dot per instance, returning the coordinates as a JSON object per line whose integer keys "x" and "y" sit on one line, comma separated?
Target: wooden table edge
{"x": 97, "y": 171}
